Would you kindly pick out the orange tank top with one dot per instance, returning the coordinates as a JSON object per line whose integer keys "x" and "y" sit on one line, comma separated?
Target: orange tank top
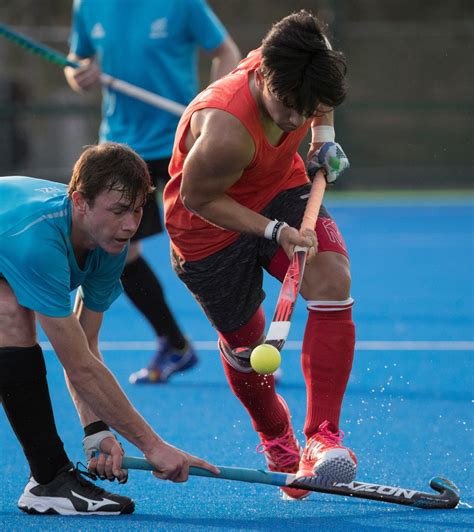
{"x": 272, "y": 170}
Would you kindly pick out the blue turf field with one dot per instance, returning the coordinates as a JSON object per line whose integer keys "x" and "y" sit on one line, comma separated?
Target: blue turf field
{"x": 407, "y": 412}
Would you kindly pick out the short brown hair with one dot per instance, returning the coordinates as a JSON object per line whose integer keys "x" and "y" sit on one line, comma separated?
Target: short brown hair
{"x": 110, "y": 166}
{"x": 299, "y": 65}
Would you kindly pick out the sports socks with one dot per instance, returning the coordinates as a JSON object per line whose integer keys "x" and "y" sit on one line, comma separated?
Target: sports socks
{"x": 256, "y": 392}
{"x": 144, "y": 290}
{"x": 327, "y": 355}
{"x": 25, "y": 396}
{"x": 258, "y": 396}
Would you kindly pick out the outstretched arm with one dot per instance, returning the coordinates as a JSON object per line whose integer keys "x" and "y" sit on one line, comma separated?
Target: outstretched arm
{"x": 99, "y": 439}
{"x": 98, "y": 388}
{"x": 90, "y": 322}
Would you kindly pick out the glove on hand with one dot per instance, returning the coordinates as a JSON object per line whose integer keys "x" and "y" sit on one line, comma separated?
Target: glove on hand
{"x": 331, "y": 158}
{"x": 92, "y": 443}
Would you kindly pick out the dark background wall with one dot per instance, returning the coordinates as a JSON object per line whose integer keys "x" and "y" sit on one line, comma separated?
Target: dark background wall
{"x": 406, "y": 124}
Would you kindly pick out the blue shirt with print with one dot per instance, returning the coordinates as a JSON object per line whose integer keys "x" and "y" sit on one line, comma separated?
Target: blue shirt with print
{"x": 152, "y": 44}
{"x": 36, "y": 255}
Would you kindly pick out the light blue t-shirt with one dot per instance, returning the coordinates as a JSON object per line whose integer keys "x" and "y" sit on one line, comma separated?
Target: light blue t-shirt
{"x": 36, "y": 255}
{"x": 150, "y": 43}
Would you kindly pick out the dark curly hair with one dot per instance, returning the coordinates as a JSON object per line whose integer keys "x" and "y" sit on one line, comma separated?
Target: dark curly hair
{"x": 299, "y": 65}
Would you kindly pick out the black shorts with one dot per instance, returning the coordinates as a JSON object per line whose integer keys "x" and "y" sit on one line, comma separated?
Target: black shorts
{"x": 151, "y": 223}
{"x": 228, "y": 283}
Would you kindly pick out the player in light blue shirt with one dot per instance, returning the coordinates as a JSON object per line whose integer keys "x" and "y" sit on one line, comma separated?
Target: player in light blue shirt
{"x": 34, "y": 211}
{"x": 153, "y": 44}
{"x": 54, "y": 239}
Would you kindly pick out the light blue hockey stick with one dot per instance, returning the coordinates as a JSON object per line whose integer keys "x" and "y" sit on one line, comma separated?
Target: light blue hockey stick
{"x": 447, "y": 496}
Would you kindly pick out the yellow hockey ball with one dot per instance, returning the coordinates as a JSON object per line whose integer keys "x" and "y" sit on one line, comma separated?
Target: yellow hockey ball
{"x": 265, "y": 359}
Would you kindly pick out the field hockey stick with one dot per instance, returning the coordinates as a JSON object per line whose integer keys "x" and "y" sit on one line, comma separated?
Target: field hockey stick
{"x": 53, "y": 56}
{"x": 447, "y": 495}
{"x": 290, "y": 288}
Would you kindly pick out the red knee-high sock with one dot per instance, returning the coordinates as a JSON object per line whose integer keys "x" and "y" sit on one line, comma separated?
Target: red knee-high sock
{"x": 327, "y": 355}
{"x": 256, "y": 392}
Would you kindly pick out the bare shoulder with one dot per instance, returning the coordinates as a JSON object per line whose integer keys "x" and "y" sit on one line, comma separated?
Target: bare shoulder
{"x": 220, "y": 134}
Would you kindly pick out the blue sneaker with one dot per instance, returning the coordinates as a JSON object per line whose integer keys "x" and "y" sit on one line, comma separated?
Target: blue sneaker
{"x": 167, "y": 361}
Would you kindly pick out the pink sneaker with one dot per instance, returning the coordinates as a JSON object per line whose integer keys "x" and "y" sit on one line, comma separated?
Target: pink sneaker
{"x": 283, "y": 454}
{"x": 325, "y": 457}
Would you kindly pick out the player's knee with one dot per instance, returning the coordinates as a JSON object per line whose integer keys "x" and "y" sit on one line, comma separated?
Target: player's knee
{"x": 20, "y": 365}
{"x": 337, "y": 285}
{"x": 328, "y": 277}
{"x": 237, "y": 345}
{"x": 248, "y": 335}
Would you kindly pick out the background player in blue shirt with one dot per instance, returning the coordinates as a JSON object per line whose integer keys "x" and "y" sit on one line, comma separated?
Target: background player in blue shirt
{"x": 54, "y": 239}
{"x": 153, "y": 44}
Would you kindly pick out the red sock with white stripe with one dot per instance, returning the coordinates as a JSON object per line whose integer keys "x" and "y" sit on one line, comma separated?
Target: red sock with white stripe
{"x": 327, "y": 355}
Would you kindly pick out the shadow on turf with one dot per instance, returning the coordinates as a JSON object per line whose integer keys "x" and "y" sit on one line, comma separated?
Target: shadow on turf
{"x": 381, "y": 519}
{"x": 369, "y": 515}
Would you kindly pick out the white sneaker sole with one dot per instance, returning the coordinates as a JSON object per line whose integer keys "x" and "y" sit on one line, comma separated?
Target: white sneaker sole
{"x": 42, "y": 505}
{"x": 336, "y": 466}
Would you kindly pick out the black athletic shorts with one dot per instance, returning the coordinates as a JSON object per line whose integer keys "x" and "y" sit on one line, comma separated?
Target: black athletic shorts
{"x": 151, "y": 223}
{"x": 228, "y": 283}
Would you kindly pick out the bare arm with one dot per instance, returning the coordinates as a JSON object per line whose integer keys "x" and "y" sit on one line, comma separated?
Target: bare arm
{"x": 90, "y": 322}
{"x": 323, "y": 117}
{"x": 220, "y": 150}
{"x": 94, "y": 382}
{"x": 219, "y": 155}
{"x": 225, "y": 58}
{"x": 98, "y": 388}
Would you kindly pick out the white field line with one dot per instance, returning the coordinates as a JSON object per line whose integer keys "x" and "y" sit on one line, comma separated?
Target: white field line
{"x": 369, "y": 345}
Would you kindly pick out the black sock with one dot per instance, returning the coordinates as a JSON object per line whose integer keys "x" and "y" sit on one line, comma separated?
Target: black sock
{"x": 25, "y": 396}
{"x": 144, "y": 290}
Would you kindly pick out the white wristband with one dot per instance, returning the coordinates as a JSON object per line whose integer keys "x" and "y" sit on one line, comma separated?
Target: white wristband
{"x": 323, "y": 134}
{"x": 268, "y": 234}
{"x": 280, "y": 229}
{"x": 273, "y": 230}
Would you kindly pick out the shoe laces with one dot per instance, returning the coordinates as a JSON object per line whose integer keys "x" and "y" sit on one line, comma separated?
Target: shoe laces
{"x": 79, "y": 474}
{"x": 324, "y": 436}
{"x": 282, "y": 450}
{"x": 328, "y": 434}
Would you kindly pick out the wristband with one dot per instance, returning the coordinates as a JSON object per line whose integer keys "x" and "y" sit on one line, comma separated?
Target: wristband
{"x": 279, "y": 230}
{"x": 323, "y": 134}
{"x": 94, "y": 428}
{"x": 273, "y": 230}
{"x": 268, "y": 234}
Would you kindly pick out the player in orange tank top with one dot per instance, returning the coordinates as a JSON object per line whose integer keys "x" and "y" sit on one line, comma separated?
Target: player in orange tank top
{"x": 233, "y": 206}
